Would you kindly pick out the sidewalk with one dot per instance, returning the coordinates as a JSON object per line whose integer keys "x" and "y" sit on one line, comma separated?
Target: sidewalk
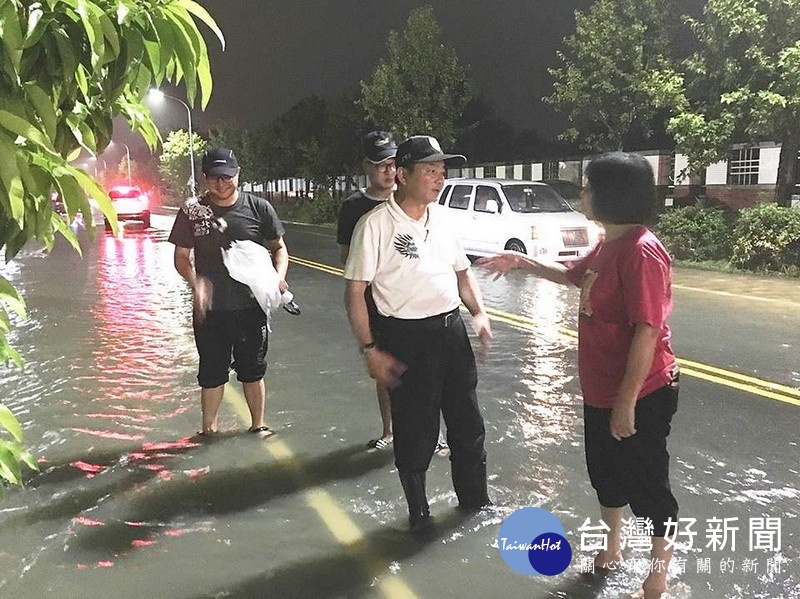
{"x": 774, "y": 289}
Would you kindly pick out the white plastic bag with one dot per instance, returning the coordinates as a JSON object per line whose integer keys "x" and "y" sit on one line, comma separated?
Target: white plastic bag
{"x": 251, "y": 264}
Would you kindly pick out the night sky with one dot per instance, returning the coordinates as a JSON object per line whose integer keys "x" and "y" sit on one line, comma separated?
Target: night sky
{"x": 279, "y": 51}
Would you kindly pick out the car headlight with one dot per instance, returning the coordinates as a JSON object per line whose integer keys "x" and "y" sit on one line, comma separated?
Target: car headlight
{"x": 534, "y": 233}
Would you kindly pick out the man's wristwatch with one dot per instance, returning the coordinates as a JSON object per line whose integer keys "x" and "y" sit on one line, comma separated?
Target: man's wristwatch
{"x": 368, "y": 346}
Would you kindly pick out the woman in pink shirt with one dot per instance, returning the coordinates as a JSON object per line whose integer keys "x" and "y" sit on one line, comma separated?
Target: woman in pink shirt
{"x": 628, "y": 371}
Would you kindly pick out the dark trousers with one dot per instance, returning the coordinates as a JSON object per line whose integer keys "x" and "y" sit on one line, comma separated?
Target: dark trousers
{"x": 240, "y": 333}
{"x": 634, "y": 470}
{"x": 441, "y": 376}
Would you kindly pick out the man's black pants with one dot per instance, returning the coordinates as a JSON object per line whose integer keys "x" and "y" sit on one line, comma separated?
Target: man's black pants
{"x": 441, "y": 376}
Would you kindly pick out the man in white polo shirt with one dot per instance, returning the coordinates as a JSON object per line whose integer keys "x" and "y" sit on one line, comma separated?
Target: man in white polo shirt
{"x": 420, "y": 275}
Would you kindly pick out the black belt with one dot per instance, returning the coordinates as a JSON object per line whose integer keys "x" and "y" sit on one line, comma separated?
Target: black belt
{"x": 444, "y": 320}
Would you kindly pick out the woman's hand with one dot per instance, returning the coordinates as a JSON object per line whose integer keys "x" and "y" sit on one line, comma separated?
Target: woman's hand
{"x": 623, "y": 420}
{"x": 499, "y": 264}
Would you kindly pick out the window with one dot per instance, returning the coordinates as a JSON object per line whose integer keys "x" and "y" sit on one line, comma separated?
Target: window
{"x": 743, "y": 167}
{"x": 460, "y": 197}
{"x": 534, "y": 198}
{"x": 550, "y": 169}
{"x": 443, "y": 195}
{"x": 482, "y": 197}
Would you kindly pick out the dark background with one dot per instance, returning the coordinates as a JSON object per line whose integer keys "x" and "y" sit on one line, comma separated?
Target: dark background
{"x": 279, "y": 51}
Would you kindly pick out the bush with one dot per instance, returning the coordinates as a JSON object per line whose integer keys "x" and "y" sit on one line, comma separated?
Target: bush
{"x": 767, "y": 237}
{"x": 324, "y": 208}
{"x": 695, "y": 233}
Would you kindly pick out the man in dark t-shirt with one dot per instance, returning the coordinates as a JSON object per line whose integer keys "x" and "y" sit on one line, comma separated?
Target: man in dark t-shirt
{"x": 227, "y": 319}
{"x": 378, "y": 164}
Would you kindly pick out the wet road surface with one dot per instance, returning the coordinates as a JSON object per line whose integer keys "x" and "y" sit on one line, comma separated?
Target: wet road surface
{"x": 129, "y": 504}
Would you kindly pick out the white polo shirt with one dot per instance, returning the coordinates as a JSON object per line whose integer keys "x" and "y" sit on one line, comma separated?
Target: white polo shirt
{"x": 411, "y": 264}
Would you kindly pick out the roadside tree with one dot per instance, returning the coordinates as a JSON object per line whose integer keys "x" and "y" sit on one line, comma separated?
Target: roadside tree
{"x": 742, "y": 85}
{"x": 608, "y": 66}
{"x": 174, "y": 164}
{"x": 67, "y": 68}
{"x": 420, "y": 87}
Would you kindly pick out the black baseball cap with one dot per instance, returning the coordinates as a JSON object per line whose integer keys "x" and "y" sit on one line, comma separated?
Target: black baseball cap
{"x": 220, "y": 161}
{"x": 424, "y": 148}
{"x": 379, "y": 146}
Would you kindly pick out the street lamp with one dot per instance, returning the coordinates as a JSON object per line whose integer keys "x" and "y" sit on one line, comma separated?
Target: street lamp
{"x": 158, "y": 95}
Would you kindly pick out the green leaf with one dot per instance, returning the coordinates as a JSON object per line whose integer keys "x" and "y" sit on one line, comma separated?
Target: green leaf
{"x": 186, "y": 56}
{"x": 166, "y": 43}
{"x": 72, "y": 194}
{"x": 60, "y": 225}
{"x": 9, "y": 463}
{"x": 7, "y": 167}
{"x": 23, "y": 128}
{"x": 108, "y": 29}
{"x": 36, "y": 27}
{"x": 9, "y": 353}
{"x": 66, "y": 51}
{"x": 9, "y": 422}
{"x": 44, "y": 108}
{"x": 16, "y": 199}
{"x": 82, "y": 80}
{"x": 203, "y": 67}
{"x": 202, "y": 14}
{"x": 97, "y": 193}
{"x": 11, "y": 36}
{"x": 93, "y": 32}
{"x": 12, "y": 298}
{"x": 5, "y": 321}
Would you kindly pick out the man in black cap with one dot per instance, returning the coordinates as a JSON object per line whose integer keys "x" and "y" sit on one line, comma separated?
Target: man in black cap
{"x": 419, "y": 274}
{"x": 379, "y": 150}
{"x": 227, "y": 319}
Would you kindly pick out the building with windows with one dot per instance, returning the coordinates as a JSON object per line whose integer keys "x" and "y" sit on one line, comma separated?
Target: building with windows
{"x": 745, "y": 178}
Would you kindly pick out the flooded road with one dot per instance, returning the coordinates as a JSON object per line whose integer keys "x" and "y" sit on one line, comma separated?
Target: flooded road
{"x": 128, "y": 503}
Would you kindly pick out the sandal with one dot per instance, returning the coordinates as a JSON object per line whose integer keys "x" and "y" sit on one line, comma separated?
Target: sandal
{"x": 379, "y": 443}
{"x": 262, "y": 431}
{"x": 291, "y": 307}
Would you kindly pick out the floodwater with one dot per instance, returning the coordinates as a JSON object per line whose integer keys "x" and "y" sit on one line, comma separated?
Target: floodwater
{"x": 128, "y": 503}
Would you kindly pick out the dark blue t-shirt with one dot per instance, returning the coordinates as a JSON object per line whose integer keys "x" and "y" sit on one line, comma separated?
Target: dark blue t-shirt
{"x": 353, "y": 208}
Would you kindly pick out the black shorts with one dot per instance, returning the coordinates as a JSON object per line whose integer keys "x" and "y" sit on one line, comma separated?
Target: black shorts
{"x": 634, "y": 470}
{"x": 241, "y": 334}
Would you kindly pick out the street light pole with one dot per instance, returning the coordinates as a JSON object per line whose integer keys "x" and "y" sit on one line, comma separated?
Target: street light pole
{"x": 157, "y": 93}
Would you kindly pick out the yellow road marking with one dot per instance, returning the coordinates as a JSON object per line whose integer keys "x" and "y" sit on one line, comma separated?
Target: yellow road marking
{"x": 338, "y": 522}
{"x": 713, "y": 374}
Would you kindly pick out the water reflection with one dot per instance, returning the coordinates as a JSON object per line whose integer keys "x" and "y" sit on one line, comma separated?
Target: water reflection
{"x": 539, "y": 391}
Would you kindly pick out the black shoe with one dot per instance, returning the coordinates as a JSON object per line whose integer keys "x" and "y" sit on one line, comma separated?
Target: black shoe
{"x": 419, "y": 516}
{"x": 292, "y": 308}
{"x": 474, "y": 507}
{"x": 420, "y": 524}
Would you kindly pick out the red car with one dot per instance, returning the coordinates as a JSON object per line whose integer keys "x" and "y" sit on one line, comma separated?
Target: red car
{"x": 131, "y": 204}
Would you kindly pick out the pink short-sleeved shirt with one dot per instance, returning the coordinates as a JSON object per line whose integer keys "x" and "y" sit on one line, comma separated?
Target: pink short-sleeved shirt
{"x": 623, "y": 282}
